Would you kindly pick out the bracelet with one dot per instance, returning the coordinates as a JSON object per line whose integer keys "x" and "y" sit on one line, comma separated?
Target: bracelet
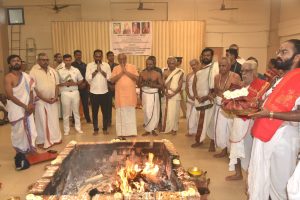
{"x": 271, "y": 115}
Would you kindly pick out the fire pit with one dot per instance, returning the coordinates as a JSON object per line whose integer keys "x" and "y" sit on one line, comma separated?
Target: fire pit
{"x": 116, "y": 170}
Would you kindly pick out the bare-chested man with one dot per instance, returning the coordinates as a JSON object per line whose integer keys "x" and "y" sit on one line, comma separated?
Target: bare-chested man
{"x": 18, "y": 88}
{"x": 223, "y": 121}
{"x": 150, "y": 81}
{"x": 173, "y": 79}
{"x": 192, "y": 114}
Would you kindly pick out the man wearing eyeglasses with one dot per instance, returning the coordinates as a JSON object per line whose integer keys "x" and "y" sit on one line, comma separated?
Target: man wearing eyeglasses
{"x": 240, "y": 127}
{"x": 276, "y": 130}
{"x": 46, "y": 108}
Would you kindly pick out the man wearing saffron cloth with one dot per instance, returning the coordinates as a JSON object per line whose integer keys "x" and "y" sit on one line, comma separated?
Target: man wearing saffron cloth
{"x": 203, "y": 86}
{"x": 192, "y": 115}
{"x": 276, "y": 134}
{"x": 125, "y": 76}
{"x": 222, "y": 120}
{"x": 18, "y": 88}
{"x": 46, "y": 110}
{"x": 173, "y": 79}
{"x": 150, "y": 81}
{"x": 240, "y": 134}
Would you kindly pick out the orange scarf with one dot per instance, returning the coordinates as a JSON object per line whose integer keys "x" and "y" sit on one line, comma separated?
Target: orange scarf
{"x": 282, "y": 99}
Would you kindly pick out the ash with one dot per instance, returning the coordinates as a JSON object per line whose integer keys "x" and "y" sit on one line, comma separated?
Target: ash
{"x": 103, "y": 178}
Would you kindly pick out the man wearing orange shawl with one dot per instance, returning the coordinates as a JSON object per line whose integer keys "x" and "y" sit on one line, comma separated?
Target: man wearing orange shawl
{"x": 276, "y": 134}
{"x": 125, "y": 77}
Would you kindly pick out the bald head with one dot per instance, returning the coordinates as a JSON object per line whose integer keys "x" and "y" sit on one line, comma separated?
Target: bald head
{"x": 194, "y": 63}
{"x": 171, "y": 63}
{"x": 122, "y": 59}
{"x": 224, "y": 65}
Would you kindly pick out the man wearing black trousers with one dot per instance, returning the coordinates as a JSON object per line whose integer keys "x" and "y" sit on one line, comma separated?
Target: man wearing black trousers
{"x": 111, "y": 87}
{"x": 83, "y": 88}
{"x": 97, "y": 74}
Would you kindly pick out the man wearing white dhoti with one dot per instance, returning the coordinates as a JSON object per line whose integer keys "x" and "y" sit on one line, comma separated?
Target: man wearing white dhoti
{"x": 240, "y": 136}
{"x": 125, "y": 76}
{"x": 276, "y": 141}
{"x": 192, "y": 114}
{"x": 150, "y": 82}
{"x": 222, "y": 120}
{"x": 18, "y": 87}
{"x": 46, "y": 110}
{"x": 203, "y": 87}
{"x": 171, "y": 101}
{"x": 293, "y": 186}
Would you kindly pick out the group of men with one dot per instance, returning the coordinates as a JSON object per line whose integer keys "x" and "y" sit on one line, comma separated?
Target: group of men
{"x": 257, "y": 143}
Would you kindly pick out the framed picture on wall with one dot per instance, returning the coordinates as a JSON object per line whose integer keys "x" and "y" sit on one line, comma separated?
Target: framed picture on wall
{"x": 15, "y": 16}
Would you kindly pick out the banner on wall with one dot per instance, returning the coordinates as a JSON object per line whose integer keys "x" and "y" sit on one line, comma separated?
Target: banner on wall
{"x": 131, "y": 37}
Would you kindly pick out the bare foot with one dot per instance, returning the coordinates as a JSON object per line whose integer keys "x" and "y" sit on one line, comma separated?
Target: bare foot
{"x": 146, "y": 134}
{"x": 212, "y": 148}
{"x": 196, "y": 144}
{"x": 154, "y": 133}
{"x": 234, "y": 177}
{"x": 95, "y": 133}
{"x": 173, "y": 132}
{"x": 188, "y": 135}
{"x": 105, "y": 132}
{"x": 221, "y": 155}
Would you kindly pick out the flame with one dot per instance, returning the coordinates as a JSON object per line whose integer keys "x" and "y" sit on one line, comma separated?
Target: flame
{"x": 150, "y": 168}
{"x": 128, "y": 173}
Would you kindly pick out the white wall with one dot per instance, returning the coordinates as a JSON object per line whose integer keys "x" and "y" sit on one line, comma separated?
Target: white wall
{"x": 248, "y": 26}
{"x": 289, "y": 26}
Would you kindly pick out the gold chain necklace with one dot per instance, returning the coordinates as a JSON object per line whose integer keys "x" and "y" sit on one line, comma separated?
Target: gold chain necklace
{"x": 225, "y": 82}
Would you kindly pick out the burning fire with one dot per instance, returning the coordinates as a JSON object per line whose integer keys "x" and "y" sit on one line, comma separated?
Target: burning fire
{"x": 132, "y": 175}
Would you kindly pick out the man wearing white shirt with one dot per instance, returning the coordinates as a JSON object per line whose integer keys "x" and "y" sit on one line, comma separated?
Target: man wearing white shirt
{"x": 70, "y": 78}
{"x": 97, "y": 74}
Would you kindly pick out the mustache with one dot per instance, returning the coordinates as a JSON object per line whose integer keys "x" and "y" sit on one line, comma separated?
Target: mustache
{"x": 16, "y": 66}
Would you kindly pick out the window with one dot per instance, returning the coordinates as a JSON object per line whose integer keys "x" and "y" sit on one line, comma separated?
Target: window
{"x": 15, "y": 16}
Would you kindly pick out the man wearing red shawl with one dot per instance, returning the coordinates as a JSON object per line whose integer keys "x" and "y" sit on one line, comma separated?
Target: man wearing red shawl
{"x": 240, "y": 135}
{"x": 276, "y": 133}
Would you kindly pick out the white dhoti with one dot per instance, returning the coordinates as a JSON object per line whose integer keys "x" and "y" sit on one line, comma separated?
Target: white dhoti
{"x": 126, "y": 121}
{"x": 3, "y": 106}
{"x": 23, "y": 134}
{"x": 222, "y": 123}
{"x": 293, "y": 186}
{"x": 171, "y": 106}
{"x": 205, "y": 124}
{"x": 204, "y": 83}
{"x": 171, "y": 111}
{"x": 150, "y": 101}
{"x": 23, "y": 130}
{"x": 240, "y": 143}
{"x": 192, "y": 116}
{"x": 272, "y": 164}
{"x": 47, "y": 124}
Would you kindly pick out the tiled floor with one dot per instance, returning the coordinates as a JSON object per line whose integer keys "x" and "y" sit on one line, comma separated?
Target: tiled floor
{"x": 15, "y": 183}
